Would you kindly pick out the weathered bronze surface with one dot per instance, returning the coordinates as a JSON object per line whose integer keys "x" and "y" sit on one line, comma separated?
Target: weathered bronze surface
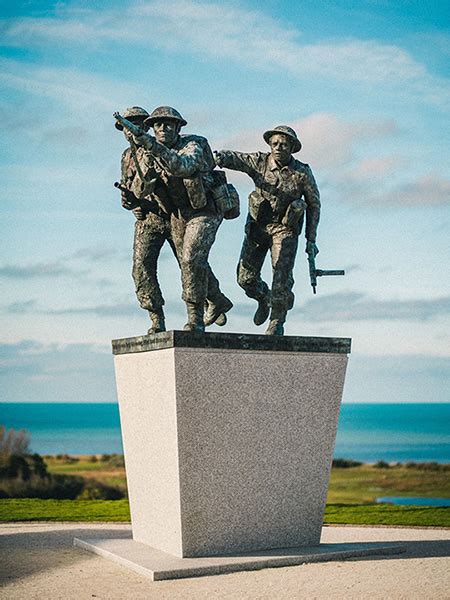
{"x": 170, "y": 182}
{"x": 172, "y": 173}
{"x": 285, "y": 190}
{"x": 231, "y": 341}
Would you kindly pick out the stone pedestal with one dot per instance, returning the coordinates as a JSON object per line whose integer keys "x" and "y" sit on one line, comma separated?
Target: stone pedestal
{"x": 228, "y": 438}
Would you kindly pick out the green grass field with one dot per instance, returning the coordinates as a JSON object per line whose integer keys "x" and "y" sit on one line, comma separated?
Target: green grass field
{"x": 33, "y": 509}
{"x": 351, "y": 498}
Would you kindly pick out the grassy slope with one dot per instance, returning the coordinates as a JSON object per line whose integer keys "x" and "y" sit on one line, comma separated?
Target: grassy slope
{"x": 360, "y": 485}
{"x": 33, "y": 509}
{"x": 349, "y": 499}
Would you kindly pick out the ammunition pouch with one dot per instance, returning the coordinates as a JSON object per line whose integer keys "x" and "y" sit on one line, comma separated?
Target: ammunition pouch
{"x": 294, "y": 214}
{"x": 225, "y": 195}
{"x": 259, "y": 208}
{"x": 195, "y": 191}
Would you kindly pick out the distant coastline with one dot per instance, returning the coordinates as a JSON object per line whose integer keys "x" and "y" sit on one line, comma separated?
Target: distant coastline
{"x": 366, "y": 432}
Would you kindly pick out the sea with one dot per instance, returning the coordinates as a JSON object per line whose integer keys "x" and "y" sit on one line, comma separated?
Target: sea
{"x": 366, "y": 432}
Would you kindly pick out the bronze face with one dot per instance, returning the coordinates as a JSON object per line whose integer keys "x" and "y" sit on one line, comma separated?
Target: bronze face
{"x": 281, "y": 148}
{"x": 166, "y": 131}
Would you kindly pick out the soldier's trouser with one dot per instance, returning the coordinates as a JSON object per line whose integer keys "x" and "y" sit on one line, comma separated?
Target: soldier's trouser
{"x": 282, "y": 243}
{"x": 193, "y": 240}
{"x": 149, "y": 237}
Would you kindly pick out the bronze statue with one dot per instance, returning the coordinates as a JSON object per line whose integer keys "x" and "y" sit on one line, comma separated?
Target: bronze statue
{"x": 285, "y": 190}
{"x": 187, "y": 187}
{"x": 152, "y": 227}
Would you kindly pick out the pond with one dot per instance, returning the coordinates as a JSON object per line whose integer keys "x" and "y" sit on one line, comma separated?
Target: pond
{"x": 410, "y": 501}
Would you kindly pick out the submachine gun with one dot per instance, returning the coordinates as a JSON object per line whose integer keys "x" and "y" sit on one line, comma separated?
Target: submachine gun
{"x": 135, "y": 129}
{"x": 315, "y": 273}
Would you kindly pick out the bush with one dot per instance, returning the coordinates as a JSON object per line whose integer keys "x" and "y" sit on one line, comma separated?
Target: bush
{"x": 381, "y": 464}
{"x": 55, "y": 486}
{"x": 27, "y": 477}
{"x": 428, "y": 466}
{"x": 95, "y": 490}
{"x": 13, "y": 442}
{"x": 343, "y": 463}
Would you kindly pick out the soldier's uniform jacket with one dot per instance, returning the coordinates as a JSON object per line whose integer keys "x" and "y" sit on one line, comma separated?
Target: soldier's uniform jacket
{"x": 185, "y": 174}
{"x": 277, "y": 187}
{"x": 130, "y": 177}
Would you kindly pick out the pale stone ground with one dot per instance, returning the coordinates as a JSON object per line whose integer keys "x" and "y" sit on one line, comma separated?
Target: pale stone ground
{"x": 39, "y": 562}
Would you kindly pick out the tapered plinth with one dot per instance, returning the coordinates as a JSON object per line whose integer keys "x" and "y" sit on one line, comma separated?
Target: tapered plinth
{"x": 228, "y": 438}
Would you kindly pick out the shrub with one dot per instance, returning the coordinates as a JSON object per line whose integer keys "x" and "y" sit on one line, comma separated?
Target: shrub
{"x": 381, "y": 464}
{"x": 95, "y": 490}
{"x": 343, "y": 463}
{"x": 13, "y": 442}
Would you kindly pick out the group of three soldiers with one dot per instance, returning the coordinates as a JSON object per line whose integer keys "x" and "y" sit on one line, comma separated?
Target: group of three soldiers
{"x": 170, "y": 183}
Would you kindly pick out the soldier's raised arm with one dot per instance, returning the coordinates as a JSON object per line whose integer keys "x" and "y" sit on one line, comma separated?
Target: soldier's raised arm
{"x": 239, "y": 161}
{"x": 177, "y": 164}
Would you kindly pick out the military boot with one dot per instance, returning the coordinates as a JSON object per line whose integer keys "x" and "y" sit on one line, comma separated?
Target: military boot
{"x": 158, "y": 322}
{"x": 195, "y": 317}
{"x": 263, "y": 310}
{"x": 277, "y": 319}
{"x": 216, "y": 310}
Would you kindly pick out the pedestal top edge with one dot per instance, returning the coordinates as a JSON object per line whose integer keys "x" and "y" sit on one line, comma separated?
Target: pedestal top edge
{"x": 230, "y": 341}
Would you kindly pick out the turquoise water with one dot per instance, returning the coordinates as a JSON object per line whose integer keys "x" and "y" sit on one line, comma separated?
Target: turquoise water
{"x": 410, "y": 501}
{"x": 366, "y": 432}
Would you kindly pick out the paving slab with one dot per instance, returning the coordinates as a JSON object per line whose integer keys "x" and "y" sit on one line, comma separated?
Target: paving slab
{"x": 158, "y": 565}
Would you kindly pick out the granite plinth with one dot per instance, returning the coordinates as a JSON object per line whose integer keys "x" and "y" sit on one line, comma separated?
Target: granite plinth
{"x": 228, "y": 450}
{"x": 230, "y": 341}
{"x": 158, "y": 565}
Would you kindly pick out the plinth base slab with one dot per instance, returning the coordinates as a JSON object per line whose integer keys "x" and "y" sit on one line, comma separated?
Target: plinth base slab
{"x": 158, "y": 565}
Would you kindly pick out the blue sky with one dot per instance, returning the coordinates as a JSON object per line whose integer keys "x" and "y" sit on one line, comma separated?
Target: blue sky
{"x": 366, "y": 88}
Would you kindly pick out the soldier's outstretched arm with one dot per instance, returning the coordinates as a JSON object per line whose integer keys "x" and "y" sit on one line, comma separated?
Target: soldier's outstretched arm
{"x": 238, "y": 161}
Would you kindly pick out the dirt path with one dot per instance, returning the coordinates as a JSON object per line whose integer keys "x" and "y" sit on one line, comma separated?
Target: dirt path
{"x": 39, "y": 562}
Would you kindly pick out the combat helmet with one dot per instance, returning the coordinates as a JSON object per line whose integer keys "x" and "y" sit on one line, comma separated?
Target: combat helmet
{"x": 165, "y": 112}
{"x": 285, "y": 130}
{"x": 132, "y": 113}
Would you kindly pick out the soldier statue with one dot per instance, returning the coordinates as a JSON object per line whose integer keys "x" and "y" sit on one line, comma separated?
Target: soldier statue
{"x": 152, "y": 226}
{"x": 185, "y": 185}
{"x": 284, "y": 190}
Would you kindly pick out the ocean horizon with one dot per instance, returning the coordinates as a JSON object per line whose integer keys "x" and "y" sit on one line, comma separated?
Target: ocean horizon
{"x": 366, "y": 432}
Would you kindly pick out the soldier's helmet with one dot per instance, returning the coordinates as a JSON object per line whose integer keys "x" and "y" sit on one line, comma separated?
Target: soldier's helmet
{"x": 165, "y": 112}
{"x": 134, "y": 114}
{"x": 285, "y": 130}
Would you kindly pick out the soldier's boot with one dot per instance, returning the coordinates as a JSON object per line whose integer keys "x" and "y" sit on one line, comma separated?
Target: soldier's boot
{"x": 216, "y": 310}
{"x": 195, "y": 317}
{"x": 277, "y": 319}
{"x": 158, "y": 322}
{"x": 263, "y": 310}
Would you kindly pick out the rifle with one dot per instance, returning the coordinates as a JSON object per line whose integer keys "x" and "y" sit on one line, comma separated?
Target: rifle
{"x": 134, "y": 129}
{"x": 314, "y": 273}
{"x": 146, "y": 204}
{"x": 147, "y": 186}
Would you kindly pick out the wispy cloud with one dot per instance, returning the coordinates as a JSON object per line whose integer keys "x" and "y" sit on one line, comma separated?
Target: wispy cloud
{"x": 79, "y": 91}
{"x": 359, "y": 307}
{"x": 431, "y": 189}
{"x": 36, "y": 270}
{"x": 218, "y": 31}
{"x": 31, "y": 371}
{"x": 329, "y": 140}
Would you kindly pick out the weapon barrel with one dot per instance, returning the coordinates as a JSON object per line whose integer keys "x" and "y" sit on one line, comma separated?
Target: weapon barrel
{"x": 135, "y": 130}
{"x": 321, "y": 272}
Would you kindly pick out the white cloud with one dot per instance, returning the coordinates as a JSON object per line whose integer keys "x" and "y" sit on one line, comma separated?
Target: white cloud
{"x": 430, "y": 189}
{"x": 79, "y": 91}
{"x": 249, "y": 37}
{"x": 328, "y": 140}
